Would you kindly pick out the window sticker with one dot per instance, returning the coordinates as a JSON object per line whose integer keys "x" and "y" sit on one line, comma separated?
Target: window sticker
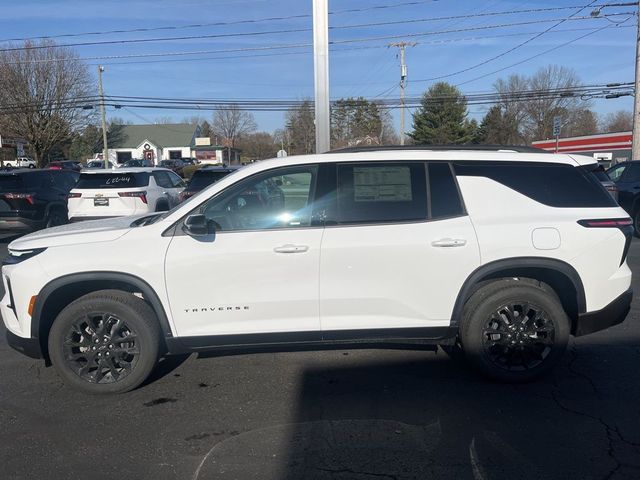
{"x": 382, "y": 184}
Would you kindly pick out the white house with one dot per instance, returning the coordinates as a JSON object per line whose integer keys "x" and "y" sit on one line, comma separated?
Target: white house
{"x": 153, "y": 142}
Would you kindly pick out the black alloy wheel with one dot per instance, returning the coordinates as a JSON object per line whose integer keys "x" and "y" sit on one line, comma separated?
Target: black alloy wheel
{"x": 101, "y": 348}
{"x": 518, "y": 336}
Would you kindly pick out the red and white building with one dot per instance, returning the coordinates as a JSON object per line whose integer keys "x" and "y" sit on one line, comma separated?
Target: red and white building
{"x": 607, "y": 148}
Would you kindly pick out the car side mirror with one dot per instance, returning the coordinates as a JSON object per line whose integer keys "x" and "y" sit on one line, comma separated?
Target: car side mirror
{"x": 198, "y": 226}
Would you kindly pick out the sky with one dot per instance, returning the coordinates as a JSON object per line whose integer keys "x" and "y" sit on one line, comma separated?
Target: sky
{"x": 360, "y": 67}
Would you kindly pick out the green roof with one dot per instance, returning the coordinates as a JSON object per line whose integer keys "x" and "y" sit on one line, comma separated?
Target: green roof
{"x": 161, "y": 135}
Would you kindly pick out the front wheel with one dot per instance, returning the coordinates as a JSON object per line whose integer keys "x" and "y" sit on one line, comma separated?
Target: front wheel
{"x": 105, "y": 342}
{"x": 514, "y": 330}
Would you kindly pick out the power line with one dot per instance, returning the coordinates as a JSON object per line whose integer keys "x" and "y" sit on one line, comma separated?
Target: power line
{"x": 508, "y": 51}
{"x": 215, "y": 24}
{"x": 520, "y": 62}
{"x": 301, "y": 30}
{"x": 610, "y": 90}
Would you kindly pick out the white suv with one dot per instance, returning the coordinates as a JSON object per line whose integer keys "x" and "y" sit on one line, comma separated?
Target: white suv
{"x": 123, "y": 192}
{"x": 497, "y": 254}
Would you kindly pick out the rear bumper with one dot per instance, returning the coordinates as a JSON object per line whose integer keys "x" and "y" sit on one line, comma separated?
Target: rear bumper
{"x": 19, "y": 224}
{"x": 612, "y": 314}
{"x": 27, "y": 346}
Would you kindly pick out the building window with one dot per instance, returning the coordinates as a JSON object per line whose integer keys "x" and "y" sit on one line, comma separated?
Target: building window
{"x": 122, "y": 157}
{"x": 175, "y": 154}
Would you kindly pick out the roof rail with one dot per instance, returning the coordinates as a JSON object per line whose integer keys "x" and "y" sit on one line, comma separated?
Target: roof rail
{"x": 473, "y": 147}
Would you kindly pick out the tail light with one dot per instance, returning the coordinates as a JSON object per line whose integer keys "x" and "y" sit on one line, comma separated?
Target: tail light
{"x": 29, "y": 197}
{"x": 74, "y": 195}
{"x": 606, "y": 223}
{"x": 141, "y": 195}
{"x": 625, "y": 225}
{"x": 613, "y": 190}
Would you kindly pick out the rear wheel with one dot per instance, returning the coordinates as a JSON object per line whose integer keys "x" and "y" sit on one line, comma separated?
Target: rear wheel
{"x": 514, "y": 330}
{"x": 56, "y": 218}
{"x": 162, "y": 206}
{"x": 105, "y": 342}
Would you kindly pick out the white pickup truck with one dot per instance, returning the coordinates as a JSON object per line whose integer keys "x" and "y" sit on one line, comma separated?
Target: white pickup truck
{"x": 20, "y": 162}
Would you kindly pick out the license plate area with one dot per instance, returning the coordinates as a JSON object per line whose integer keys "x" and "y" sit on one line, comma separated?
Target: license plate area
{"x": 100, "y": 202}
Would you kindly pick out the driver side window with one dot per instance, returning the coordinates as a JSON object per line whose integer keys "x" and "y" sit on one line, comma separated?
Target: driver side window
{"x": 278, "y": 198}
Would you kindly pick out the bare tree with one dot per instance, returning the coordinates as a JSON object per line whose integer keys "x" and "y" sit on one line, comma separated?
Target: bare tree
{"x": 230, "y": 123}
{"x": 258, "y": 146}
{"x": 43, "y": 89}
{"x": 513, "y": 109}
{"x": 620, "y": 121}
{"x": 164, "y": 120}
{"x": 300, "y": 125}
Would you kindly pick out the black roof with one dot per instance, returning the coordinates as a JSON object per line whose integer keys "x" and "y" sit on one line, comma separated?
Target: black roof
{"x": 476, "y": 147}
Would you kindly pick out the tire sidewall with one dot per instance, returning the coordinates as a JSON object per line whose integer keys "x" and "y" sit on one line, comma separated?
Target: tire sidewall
{"x": 472, "y": 336}
{"x": 146, "y": 338}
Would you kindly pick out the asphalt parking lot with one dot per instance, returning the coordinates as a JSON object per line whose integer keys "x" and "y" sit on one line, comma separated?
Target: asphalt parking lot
{"x": 344, "y": 414}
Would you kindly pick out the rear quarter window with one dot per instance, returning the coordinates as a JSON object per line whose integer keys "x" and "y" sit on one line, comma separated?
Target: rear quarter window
{"x": 552, "y": 184}
{"x": 112, "y": 180}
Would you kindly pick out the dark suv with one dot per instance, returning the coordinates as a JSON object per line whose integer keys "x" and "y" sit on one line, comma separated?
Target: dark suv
{"x": 34, "y": 199}
{"x": 204, "y": 177}
{"x": 626, "y": 176}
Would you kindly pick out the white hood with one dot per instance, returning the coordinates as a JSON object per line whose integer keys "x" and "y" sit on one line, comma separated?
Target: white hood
{"x": 92, "y": 231}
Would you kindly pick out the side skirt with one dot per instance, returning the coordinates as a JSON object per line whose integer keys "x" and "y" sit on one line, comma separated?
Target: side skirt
{"x": 400, "y": 338}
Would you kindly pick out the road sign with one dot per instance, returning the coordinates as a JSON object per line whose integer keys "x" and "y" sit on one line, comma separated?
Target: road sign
{"x": 556, "y": 126}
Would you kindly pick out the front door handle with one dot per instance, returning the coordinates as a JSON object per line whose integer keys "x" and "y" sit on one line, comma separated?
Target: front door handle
{"x": 449, "y": 242}
{"x": 289, "y": 248}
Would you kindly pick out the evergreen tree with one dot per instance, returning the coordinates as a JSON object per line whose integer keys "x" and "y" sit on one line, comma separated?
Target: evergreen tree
{"x": 441, "y": 118}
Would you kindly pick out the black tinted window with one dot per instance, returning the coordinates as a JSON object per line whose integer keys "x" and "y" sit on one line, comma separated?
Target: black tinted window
{"x": 113, "y": 180}
{"x": 445, "y": 199}
{"x": 162, "y": 179}
{"x": 202, "y": 179}
{"x": 632, "y": 173}
{"x": 379, "y": 192}
{"x": 552, "y": 184}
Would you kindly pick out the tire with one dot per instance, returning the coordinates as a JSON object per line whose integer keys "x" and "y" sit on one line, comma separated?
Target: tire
{"x": 498, "y": 337}
{"x": 162, "y": 206}
{"x": 31, "y": 165}
{"x": 113, "y": 365}
{"x": 56, "y": 218}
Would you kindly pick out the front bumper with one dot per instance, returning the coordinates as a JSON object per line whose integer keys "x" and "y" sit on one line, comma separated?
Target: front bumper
{"x": 27, "y": 346}
{"x": 612, "y": 314}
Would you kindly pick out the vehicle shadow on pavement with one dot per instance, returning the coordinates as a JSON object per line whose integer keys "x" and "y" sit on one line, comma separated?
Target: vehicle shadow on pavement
{"x": 429, "y": 418}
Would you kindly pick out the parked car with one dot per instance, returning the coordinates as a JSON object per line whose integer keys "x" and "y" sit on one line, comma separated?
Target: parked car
{"x": 626, "y": 176}
{"x": 20, "y": 162}
{"x": 176, "y": 165}
{"x": 189, "y": 161}
{"x": 99, "y": 164}
{"x": 31, "y": 199}
{"x": 487, "y": 253}
{"x": 123, "y": 192}
{"x": 65, "y": 165}
{"x": 137, "y": 163}
{"x": 204, "y": 177}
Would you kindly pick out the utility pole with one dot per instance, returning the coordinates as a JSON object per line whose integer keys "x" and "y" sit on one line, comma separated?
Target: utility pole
{"x": 105, "y": 148}
{"x": 635, "y": 141}
{"x": 403, "y": 81}
{"x": 321, "y": 72}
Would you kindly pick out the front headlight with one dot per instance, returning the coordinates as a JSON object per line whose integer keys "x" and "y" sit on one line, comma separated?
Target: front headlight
{"x": 17, "y": 256}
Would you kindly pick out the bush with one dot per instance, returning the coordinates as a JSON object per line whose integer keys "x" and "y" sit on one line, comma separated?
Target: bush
{"x": 188, "y": 171}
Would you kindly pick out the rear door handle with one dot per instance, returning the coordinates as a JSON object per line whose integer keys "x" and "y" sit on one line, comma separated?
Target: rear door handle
{"x": 289, "y": 248}
{"x": 449, "y": 242}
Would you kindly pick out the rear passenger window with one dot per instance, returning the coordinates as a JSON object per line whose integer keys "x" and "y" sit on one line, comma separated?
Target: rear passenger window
{"x": 552, "y": 184}
{"x": 379, "y": 192}
{"x": 632, "y": 173}
{"x": 444, "y": 196}
{"x": 162, "y": 179}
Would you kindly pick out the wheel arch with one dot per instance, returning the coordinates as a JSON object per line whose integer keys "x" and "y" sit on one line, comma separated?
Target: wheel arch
{"x": 59, "y": 293}
{"x": 559, "y": 275}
